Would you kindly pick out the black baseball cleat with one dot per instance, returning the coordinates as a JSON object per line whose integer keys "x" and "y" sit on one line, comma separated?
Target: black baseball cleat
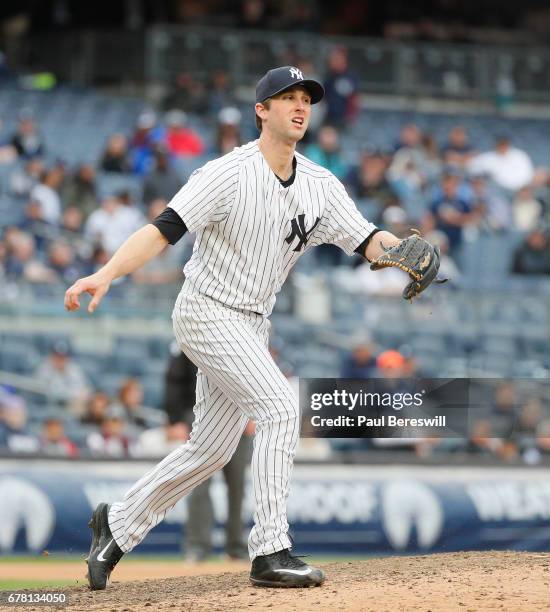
{"x": 104, "y": 551}
{"x": 281, "y": 569}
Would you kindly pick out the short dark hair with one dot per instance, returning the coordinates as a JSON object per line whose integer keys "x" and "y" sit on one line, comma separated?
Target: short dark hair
{"x": 266, "y": 104}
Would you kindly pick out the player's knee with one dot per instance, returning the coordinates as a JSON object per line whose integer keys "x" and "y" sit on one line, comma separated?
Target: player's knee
{"x": 286, "y": 411}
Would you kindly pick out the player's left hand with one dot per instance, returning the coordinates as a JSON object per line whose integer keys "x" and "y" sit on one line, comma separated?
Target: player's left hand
{"x": 415, "y": 256}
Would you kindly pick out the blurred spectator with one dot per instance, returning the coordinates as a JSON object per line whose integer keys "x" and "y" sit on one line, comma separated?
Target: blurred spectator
{"x": 110, "y": 225}
{"x": 406, "y": 173}
{"x": 116, "y": 156}
{"x": 532, "y": 256}
{"x": 180, "y": 381}
{"x": 22, "y": 180}
{"x": 72, "y": 231}
{"x": 391, "y": 364}
{"x": 21, "y": 261}
{"x": 130, "y": 405}
{"x": 395, "y": 220}
{"x": 33, "y": 223}
{"x": 410, "y": 365}
{"x": 54, "y": 442}
{"x": 510, "y": 167}
{"x": 80, "y": 190}
{"x": 46, "y": 192}
{"x": 410, "y": 137}
{"x": 530, "y": 415}
{"x": 254, "y": 15}
{"x": 326, "y": 151}
{"x": 187, "y": 94}
{"x": 447, "y": 268}
{"x": 415, "y": 162}
{"x": 130, "y": 209}
{"x": 542, "y": 448}
{"x": 162, "y": 182}
{"x": 504, "y": 410}
{"x": 97, "y": 260}
{"x": 63, "y": 378}
{"x": 482, "y": 440}
{"x": 368, "y": 180}
{"x": 219, "y": 93}
{"x": 497, "y": 215}
{"x": 449, "y": 212}
{"x": 302, "y": 16}
{"x": 387, "y": 281}
{"x": 96, "y": 408}
{"x": 526, "y": 210}
{"x": 457, "y": 151}
{"x": 228, "y": 133}
{"x": 361, "y": 362}
{"x": 200, "y": 519}
{"x": 61, "y": 259}
{"x": 72, "y": 221}
{"x": 181, "y": 139}
{"x": 14, "y": 433}
{"x": 111, "y": 439}
{"x": 27, "y": 140}
{"x": 147, "y": 136}
{"x": 431, "y": 161}
{"x": 160, "y": 441}
{"x": 341, "y": 90}
{"x": 3, "y": 256}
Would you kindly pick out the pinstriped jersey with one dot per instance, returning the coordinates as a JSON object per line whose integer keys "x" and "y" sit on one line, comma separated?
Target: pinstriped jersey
{"x": 251, "y": 229}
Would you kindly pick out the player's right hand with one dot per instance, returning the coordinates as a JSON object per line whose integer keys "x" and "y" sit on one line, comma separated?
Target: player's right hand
{"x": 95, "y": 285}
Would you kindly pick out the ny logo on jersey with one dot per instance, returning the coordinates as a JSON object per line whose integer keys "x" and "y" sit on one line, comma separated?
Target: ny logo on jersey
{"x": 298, "y": 228}
{"x": 296, "y": 74}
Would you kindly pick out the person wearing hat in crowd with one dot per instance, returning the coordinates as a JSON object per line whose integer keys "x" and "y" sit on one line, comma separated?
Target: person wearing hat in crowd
{"x": 15, "y": 437}
{"x": 228, "y": 133}
{"x": 181, "y": 139}
{"x": 63, "y": 378}
{"x": 116, "y": 156}
{"x": 54, "y": 441}
{"x": 451, "y": 212}
{"x": 147, "y": 136}
{"x": 163, "y": 181}
{"x": 27, "y": 141}
{"x": 111, "y": 440}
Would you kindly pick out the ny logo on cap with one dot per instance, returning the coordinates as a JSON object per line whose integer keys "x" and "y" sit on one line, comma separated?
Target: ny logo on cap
{"x": 296, "y": 74}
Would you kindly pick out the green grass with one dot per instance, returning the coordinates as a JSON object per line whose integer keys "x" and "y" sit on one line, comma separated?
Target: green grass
{"x": 136, "y": 558}
{"x": 12, "y": 585}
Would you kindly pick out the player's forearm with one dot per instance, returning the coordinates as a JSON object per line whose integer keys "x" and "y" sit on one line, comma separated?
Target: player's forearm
{"x": 374, "y": 247}
{"x": 139, "y": 248}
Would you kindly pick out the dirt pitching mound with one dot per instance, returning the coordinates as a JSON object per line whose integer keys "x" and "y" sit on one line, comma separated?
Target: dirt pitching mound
{"x": 459, "y": 581}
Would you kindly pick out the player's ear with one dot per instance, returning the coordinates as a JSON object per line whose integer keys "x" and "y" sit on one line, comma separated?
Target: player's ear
{"x": 261, "y": 110}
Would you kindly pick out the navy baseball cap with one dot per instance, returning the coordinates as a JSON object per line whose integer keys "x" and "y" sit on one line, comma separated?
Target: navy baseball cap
{"x": 277, "y": 80}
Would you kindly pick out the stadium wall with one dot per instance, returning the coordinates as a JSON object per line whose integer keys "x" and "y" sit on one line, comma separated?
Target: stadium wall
{"x": 336, "y": 509}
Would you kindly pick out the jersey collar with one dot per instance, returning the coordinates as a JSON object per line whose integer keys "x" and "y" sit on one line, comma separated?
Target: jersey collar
{"x": 291, "y": 178}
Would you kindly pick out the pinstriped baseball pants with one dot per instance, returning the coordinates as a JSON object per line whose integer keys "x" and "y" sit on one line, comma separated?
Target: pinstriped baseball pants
{"x": 237, "y": 380}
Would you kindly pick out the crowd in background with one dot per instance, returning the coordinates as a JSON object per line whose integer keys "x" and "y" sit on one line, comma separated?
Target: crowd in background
{"x": 450, "y": 190}
{"x": 447, "y": 20}
{"x": 513, "y": 425}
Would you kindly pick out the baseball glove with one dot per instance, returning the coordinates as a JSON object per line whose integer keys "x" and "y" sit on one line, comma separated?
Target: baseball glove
{"x": 418, "y": 258}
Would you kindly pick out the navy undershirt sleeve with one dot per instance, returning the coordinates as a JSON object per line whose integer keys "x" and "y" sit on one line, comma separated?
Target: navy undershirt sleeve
{"x": 170, "y": 225}
{"x": 360, "y": 250}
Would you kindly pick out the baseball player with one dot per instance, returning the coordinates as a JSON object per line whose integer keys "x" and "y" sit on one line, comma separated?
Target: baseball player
{"x": 255, "y": 211}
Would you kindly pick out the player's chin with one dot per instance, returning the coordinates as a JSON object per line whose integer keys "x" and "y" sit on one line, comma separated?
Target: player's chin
{"x": 297, "y": 132}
